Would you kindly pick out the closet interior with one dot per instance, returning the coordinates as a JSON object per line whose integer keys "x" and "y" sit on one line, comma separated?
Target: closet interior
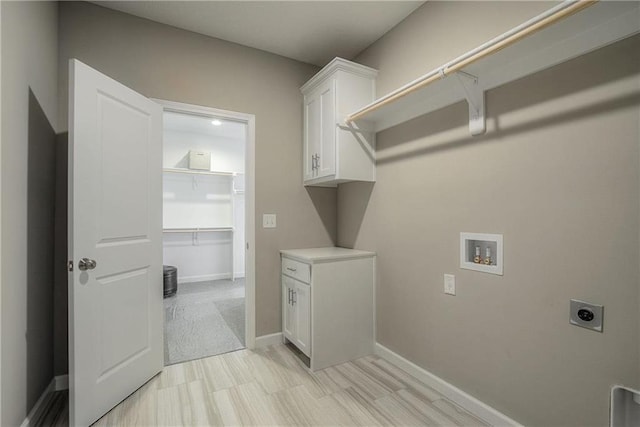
{"x": 203, "y": 235}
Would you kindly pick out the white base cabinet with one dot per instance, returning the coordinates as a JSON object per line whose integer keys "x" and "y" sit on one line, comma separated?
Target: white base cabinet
{"x": 328, "y": 303}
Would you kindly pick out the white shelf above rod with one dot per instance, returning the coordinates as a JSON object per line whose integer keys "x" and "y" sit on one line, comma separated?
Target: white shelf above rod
{"x": 539, "y": 43}
{"x": 197, "y": 172}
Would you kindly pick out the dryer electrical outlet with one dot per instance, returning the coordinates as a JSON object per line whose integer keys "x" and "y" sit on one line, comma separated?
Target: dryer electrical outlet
{"x": 586, "y": 315}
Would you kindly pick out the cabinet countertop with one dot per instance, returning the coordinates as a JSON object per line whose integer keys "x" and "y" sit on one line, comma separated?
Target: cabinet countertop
{"x": 325, "y": 254}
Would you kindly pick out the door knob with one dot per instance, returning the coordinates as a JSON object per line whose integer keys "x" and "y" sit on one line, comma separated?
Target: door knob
{"x": 87, "y": 264}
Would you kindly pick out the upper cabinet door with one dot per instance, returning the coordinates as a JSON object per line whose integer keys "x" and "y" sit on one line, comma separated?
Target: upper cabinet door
{"x": 311, "y": 134}
{"x": 320, "y": 132}
{"x": 333, "y": 155}
{"x": 326, "y": 156}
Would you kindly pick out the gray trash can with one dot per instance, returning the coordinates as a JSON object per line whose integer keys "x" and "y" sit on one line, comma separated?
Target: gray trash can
{"x": 170, "y": 280}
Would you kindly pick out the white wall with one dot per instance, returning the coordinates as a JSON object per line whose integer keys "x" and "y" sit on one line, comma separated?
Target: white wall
{"x": 196, "y": 201}
{"x": 207, "y": 258}
{"x": 227, "y": 154}
{"x": 164, "y": 62}
{"x": 557, "y": 174}
{"x": 29, "y": 63}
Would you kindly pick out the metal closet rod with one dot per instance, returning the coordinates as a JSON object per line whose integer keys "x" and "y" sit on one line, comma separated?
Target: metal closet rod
{"x": 512, "y": 36}
{"x": 196, "y": 230}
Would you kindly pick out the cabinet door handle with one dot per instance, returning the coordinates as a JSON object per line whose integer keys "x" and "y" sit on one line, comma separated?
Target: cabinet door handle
{"x": 289, "y": 294}
{"x": 292, "y": 269}
{"x": 295, "y": 297}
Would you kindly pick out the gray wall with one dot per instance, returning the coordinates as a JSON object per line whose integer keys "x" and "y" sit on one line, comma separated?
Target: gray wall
{"x": 61, "y": 287}
{"x": 41, "y": 175}
{"x": 29, "y": 116}
{"x": 557, "y": 174}
{"x": 168, "y": 63}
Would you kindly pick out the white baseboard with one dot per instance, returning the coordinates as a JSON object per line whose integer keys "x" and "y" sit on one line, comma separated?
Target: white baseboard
{"x": 50, "y": 388}
{"x": 203, "y": 278}
{"x": 451, "y": 392}
{"x": 267, "y": 340}
{"x": 61, "y": 382}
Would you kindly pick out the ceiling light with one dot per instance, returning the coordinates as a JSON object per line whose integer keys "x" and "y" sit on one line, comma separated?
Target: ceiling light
{"x": 216, "y": 122}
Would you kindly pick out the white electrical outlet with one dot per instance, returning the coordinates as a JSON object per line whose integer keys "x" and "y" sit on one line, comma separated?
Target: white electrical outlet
{"x": 449, "y": 284}
{"x": 269, "y": 221}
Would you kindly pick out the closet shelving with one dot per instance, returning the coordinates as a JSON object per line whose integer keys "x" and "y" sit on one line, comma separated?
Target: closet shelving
{"x": 196, "y": 230}
{"x": 198, "y": 172}
{"x": 238, "y": 190}
{"x": 194, "y": 172}
{"x": 566, "y": 31}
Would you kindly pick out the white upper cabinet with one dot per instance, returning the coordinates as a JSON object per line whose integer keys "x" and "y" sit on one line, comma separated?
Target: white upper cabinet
{"x": 333, "y": 152}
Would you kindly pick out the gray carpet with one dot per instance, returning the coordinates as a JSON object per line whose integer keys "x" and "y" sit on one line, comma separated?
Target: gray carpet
{"x": 204, "y": 319}
{"x": 232, "y": 311}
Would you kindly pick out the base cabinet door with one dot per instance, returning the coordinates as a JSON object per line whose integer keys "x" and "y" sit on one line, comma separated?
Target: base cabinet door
{"x": 302, "y": 304}
{"x": 288, "y": 309}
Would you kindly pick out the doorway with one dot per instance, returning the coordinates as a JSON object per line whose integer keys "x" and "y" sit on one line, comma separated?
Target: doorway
{"x": 207, "y": 182}
{"x": 115, "y": 239}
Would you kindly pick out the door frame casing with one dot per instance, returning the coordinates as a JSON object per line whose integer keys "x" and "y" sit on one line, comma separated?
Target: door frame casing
{"x": 250, "y": 151}
{"x": 1, "y": 286}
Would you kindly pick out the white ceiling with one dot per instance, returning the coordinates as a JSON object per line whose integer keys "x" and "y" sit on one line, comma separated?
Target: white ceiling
{"x": 189, "y": 123}
{"x": 309, "y": 31}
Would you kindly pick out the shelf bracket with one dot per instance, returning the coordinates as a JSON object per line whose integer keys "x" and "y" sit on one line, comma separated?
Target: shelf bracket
{"x": 363, "y": 136}
{"x": 353, "y": 127}
{"x": 475, "y": 99}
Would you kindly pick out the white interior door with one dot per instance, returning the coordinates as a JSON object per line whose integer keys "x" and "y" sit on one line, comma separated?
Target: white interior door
{"x": 115, "y": 219}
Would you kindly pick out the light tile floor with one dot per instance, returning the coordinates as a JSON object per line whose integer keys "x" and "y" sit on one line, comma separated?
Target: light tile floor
{"x": 271, "y": 386}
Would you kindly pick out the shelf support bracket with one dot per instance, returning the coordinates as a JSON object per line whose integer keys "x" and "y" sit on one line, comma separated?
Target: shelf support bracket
{"x": 352, "y": 127}
{"x": 364, "y": 137}
{"x": 475, "y": 99}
